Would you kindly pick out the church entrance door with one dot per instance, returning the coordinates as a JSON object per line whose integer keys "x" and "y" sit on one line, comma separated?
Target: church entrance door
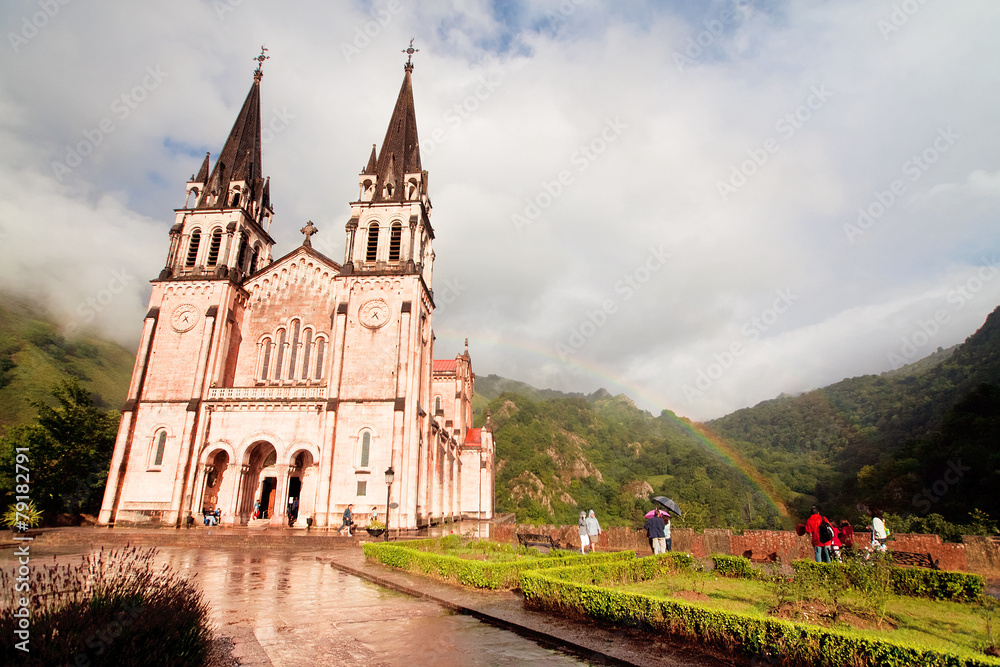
{"x": 271, "y": 484}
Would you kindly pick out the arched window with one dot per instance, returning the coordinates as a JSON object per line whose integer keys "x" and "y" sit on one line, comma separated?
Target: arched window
{"x": 213, "y": 248}
{"x": 244, "y": 255}
{"x": 192, "y": 255}
{"x": 255, "y": 257}
{"x": 266, "y": 358}
{"x": 236, "y": 199}
{"x": 437, "y": 406}
{"x": 161, "y": 443}
{"x": 281, "y": 354}
{"x": 395, "y": 239}
{"x": 294, "y": 351}
{"x": 306, "y": 352}
{"x": 320, "y": 349}
{"x": 366, "y": 446}
{"x": 372, "y": 242}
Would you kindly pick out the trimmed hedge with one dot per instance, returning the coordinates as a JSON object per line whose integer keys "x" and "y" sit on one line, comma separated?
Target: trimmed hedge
{"x": 475, "y": 573}
{"x": 737, "y": 567}
{"x": 912, "y": 582}
{"x": 742, "y": 634}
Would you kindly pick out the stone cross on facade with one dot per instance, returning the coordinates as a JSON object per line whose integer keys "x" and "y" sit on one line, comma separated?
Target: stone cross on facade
{"x": 309, "y": 230}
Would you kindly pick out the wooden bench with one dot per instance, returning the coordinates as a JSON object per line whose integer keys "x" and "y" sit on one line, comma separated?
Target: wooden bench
{"x": 914, "y": 560}
{"x": 537, "y": 540}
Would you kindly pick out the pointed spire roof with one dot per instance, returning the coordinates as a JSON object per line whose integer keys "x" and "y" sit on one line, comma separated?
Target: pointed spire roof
{"x": 203, "y": 172}
{"x": 240, "y": 159}
{"x": 370, "y": 168}
{"x": 400, "y": 154}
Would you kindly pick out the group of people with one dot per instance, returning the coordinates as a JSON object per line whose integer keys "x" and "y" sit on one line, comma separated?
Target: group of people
{"x": 211, "y": 516}
{"x": 590, "y": 531}
{"x": 658, "y": 529}
{"x": 348, "y": 519}
{"x": 829, "y": 538}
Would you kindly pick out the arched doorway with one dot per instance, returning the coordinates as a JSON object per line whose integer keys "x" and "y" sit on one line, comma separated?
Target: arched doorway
{"x": 215, "y": 473}
{"x": 260, "y": 483}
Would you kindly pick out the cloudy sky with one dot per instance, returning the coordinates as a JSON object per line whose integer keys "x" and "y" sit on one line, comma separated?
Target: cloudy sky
{"x": 699, "y": 204}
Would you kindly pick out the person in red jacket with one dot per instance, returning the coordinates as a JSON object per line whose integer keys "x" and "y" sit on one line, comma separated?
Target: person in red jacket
{"x": 846, "y": 534}
{"x": 821, "y": 548}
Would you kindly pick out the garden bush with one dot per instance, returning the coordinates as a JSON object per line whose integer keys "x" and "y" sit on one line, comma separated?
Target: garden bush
{"x": 115, "y": 608}
{"x": 560, "y": 590}
{"x": 474, "y": 573}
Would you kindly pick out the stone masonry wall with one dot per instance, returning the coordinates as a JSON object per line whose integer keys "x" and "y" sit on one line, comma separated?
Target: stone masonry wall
{"x": 980, "y": 555}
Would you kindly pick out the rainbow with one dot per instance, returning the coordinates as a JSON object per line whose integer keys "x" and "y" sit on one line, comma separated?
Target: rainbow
{"x": 712, "y": 441}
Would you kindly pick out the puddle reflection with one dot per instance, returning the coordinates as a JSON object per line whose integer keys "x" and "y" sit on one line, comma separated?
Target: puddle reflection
{"x": 301, "y": 609}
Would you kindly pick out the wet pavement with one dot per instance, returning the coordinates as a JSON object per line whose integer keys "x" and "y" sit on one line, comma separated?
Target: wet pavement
{"x": 312, "y": 604}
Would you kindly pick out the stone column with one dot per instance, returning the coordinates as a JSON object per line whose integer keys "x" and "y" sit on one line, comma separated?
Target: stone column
{"x": 232, "y": 514}
{"x": 280, "y": 516}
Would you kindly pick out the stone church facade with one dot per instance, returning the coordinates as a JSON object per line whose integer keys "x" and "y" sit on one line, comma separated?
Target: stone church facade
{"x": 280, "y": 390}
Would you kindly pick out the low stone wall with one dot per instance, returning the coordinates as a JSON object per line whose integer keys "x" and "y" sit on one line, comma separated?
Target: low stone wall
{"x": 980, "y": 555}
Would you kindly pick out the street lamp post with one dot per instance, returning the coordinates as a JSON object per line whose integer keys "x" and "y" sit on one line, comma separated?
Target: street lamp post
{"x": 390, "y": 474}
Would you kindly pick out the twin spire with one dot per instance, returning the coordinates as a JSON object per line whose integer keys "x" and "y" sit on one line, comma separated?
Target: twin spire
{"x": 240, "y": 159}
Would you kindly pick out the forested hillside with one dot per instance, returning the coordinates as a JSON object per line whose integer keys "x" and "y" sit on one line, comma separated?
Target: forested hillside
{"x": 34, "y": 357}
{"x": 885, "y": 439}
{"x": 558, "y": 456}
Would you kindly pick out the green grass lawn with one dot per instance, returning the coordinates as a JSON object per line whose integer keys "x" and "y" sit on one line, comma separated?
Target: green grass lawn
{"x": 943, "y": 626}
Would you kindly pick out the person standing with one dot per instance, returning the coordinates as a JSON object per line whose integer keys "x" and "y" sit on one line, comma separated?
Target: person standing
{"x": 593, "y": 530}
{"x": 581, "y": 527}
{"x": 846, "y": 535}
{"x": 666, "y": 531}
{"x": 655, "y": 526}
{"x": 879, "y": 532}
{"x": 821, "y": 546}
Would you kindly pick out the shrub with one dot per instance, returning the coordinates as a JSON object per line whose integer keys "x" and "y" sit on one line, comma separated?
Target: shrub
{"x": 736, "y": 566}
{"x": 474, "y": 573}
{"x": 879, "y": 577}
{"x": 113, "y": 608}
{"x": 559, "y": 590}
{"x": 22, "y": 512}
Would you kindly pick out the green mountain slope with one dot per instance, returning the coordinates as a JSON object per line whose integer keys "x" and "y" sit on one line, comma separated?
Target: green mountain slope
{"x": 556, "y": 457}
{"x": 34, "y": 357}
{"x": 878, "y": 439}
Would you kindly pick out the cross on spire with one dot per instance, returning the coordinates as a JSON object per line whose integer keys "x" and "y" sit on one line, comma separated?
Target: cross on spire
{"x": 309, "y": 230}
{"x": 409, "y": 51}
{"x": 258, "y": 73}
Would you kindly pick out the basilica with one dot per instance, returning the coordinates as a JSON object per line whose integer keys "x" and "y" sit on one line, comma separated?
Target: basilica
{"x": 277, "y": 391}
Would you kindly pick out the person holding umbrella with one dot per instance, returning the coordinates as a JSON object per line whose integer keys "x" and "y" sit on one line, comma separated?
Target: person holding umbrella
{"x": 655, "y": 528}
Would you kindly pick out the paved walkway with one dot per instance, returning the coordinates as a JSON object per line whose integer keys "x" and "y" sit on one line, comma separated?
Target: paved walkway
{"x": 506, "y": 610}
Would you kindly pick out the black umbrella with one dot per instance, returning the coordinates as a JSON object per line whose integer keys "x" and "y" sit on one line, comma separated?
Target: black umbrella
{"x": 669, "y": 504}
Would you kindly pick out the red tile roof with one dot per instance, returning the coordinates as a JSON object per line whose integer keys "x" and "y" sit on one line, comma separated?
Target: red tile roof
{"x": 474, "y": 436}
{"x": 445, "y": 365}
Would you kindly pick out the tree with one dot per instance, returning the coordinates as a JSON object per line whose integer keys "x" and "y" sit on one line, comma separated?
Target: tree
{"x": 69, "y": 451}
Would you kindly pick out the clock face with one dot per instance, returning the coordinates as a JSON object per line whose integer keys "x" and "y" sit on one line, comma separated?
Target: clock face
{"x": 374, "y": 313}
{"x": 184, "y": 317}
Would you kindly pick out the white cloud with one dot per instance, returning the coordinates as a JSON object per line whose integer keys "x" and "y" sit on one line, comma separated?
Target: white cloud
{"x": 518, "y": 96}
